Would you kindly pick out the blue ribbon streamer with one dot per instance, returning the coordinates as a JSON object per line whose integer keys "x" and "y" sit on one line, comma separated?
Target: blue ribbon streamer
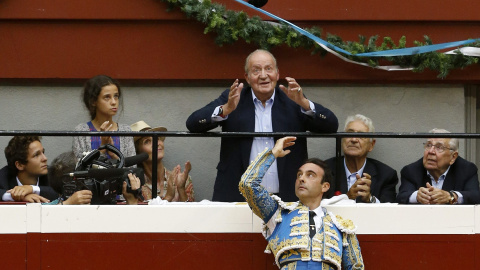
{"x": 385, "y": 53}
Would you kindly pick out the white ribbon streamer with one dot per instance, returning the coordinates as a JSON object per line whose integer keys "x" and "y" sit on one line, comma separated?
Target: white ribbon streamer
{"x": 387, "y": 68}
{"x": 468, "y": 51}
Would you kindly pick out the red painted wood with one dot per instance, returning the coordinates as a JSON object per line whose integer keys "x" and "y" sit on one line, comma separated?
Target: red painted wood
{"x": 307, "y": 10}
{"x": 34, "y": 254}
{"x": 142, "y": 251}
{"x": 13, "y": 251}
{"x": 85, "y": 10}
{"x": 419, "y": 251}
{"x": 139, "y": 40}
{"x": 155, "y": 51}
{"x": 217, "y": 251}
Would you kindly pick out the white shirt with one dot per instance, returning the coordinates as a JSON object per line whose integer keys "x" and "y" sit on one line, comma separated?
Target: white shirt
{"x": 7, "y": 197}
{"x": 272, "y": 223}
{"x": 436, "y": 184}
{"x": 263, "y": 123}
{"x": 352, "y": 178}
{"x": 318, "y": 217}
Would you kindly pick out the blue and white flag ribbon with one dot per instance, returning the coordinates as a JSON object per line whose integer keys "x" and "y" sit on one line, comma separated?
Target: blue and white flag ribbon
{"x": 470, "y": 51}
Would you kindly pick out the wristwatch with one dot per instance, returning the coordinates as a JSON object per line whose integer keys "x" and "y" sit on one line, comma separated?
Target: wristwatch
{"x": 373, "y": 199}
{"x": 452, "y": 197}
{"x": 220, "y": 112}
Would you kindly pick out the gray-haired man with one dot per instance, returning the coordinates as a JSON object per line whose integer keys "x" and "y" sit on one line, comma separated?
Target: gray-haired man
{"x": 362, "y": 179}
{"x": 441, "y": 176}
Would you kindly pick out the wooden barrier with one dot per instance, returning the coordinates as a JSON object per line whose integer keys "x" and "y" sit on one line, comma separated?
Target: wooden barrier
{"x": 223, "y": 236}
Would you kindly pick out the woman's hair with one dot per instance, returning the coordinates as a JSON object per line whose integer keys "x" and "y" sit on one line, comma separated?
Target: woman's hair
{"x": 138, "y": 144}
{"x": 92, "y": 89}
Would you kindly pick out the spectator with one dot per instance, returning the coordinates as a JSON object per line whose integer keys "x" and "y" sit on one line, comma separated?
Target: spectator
{"x": 58, "y": 173}
{"x": 260, "y": 107}
{"x": 362, "y": 179}
{"x": 441, "y": 176}
{"x": 24, "y": 179}
{"x": 102, "y": 96}
{"x": 171, "y": 185}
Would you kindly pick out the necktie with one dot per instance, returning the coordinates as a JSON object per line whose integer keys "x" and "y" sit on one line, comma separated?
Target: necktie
{"x": 313, "y": 229}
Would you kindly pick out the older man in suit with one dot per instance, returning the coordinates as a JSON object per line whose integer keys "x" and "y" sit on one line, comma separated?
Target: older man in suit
{"x": 260, "y": 107}
{"x": 362, "y": 179}
{"x": 440, "y": 177}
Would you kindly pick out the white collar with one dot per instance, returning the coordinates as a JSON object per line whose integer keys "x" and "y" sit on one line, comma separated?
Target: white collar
{"x": 20, "y": 183}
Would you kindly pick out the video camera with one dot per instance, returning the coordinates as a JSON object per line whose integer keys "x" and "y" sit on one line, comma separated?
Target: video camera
{"x": 104, "y": 176}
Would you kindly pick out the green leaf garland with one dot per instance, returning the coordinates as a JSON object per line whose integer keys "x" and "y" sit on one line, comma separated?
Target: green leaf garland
{"x": 230, "y": 26}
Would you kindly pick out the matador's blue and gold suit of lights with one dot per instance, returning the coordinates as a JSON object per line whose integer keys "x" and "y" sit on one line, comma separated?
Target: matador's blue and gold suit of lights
{"x": 333, "y": 246}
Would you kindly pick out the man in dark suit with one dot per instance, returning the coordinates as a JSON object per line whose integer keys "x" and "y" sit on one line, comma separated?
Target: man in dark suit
{"x": 440, "y": 177}
{"x": 260, "y": 107}
{"x": 362, "y": 179}
{"x": 25, "y": 177}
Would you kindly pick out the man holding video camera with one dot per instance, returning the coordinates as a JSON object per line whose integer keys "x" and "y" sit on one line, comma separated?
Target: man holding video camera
{"x": 58, "y": 175}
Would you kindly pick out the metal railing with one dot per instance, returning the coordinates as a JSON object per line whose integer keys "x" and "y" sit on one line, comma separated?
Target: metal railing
{"x": 338, "y": 137}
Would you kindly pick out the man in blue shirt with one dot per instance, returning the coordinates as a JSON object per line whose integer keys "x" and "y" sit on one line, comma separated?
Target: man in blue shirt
{"x": 260, "y": 107}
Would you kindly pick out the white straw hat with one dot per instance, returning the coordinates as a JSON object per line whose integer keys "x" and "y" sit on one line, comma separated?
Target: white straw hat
{"x": 142, "y": 126}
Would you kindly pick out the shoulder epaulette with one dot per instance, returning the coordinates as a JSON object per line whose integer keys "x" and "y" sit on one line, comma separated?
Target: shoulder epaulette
{"x": 343, "y": 224}
{"x": 285, "y": 205}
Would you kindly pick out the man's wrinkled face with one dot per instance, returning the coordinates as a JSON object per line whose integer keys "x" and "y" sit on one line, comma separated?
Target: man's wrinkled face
{"x": 262, "y": 75}
{"x": 437, "y": 156}
{"x": 357, "y": 147}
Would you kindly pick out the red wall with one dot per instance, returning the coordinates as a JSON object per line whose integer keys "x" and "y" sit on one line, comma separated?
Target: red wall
{"x": 47, "y": 39}
{"x": 220, "y": 251}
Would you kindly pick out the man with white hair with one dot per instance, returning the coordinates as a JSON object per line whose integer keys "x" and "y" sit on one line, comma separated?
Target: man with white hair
{"x": 262, "y": 106}
{"x": 441, "y": 176}
{"x": 363, "y": 179}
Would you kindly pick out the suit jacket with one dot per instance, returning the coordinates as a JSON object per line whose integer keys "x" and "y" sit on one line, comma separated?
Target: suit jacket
{"x": 9, "y": 181}
{"x": 462, "y": 177}
{"x": 384, "y": 179}
{"x": 235, "y": 152}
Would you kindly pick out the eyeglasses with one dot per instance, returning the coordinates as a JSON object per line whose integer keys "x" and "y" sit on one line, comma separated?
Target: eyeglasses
{"x": 439, "y": 148}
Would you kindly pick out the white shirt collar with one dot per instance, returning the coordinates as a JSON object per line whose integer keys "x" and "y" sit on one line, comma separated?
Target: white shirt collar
{"x": 20, "y": 183}
{"x": 348, "y": 173}
{"x": 318, "y": 211}
{"x": 441, "y": 178}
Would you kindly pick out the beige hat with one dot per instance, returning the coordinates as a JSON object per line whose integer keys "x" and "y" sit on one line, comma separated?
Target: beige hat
{"x": 142, "y": 126}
